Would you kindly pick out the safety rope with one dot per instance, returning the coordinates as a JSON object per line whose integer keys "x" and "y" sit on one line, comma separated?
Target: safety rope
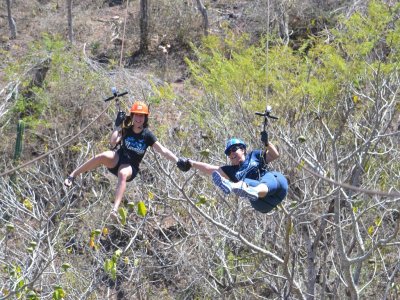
{"x": 266, "y": 79}
{"x": 267, "y": 56}
{"x": 123, "y": 33}
{"x": 55, "y": 149}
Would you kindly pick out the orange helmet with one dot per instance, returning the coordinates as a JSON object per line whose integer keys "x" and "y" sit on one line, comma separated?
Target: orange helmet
{"x": 140, "y": 107}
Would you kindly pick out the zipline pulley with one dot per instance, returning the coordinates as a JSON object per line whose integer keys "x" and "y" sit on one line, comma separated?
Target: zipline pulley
{"x": 266, "y": 115}
{"x": 115, "y": 97}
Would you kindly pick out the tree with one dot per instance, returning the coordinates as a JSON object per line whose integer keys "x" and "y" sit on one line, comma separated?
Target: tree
{"x": 144, "y": 26}
{"x": 337, "y": 99}
{"x": 203, "y": 11}
{"x": 11, "y": 21}
{"x": 70, "y": 27}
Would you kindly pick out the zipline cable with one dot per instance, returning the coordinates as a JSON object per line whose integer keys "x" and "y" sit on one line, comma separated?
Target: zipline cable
{"x": 123, "y": 33}
{"x": 55, "y": 149}
{"x": 266, "y": 56}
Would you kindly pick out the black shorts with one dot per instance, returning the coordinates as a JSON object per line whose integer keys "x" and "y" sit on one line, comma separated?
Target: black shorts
{"x": 124, "y": 160}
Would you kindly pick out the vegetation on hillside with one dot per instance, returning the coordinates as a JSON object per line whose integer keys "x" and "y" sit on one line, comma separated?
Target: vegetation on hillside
{"x": 332, "y": 79}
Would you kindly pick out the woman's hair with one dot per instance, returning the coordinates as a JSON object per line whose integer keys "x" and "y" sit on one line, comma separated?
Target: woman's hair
{"x": 128, "y": 121}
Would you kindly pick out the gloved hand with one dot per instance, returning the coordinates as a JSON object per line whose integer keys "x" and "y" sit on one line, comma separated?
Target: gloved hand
{"x": 120, "y": 118}
{"x": 264, "y": 138}
{"x": 183, "y": 164}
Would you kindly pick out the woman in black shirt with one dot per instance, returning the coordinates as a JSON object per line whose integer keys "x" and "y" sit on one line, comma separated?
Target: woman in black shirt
{"x": 134, "y": 139}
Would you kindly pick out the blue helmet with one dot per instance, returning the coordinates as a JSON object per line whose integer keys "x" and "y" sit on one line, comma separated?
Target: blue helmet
{"x": 233, "y": 142}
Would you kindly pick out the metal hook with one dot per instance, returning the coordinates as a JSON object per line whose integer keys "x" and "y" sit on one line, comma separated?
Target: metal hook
{"x": 116, "y": 96}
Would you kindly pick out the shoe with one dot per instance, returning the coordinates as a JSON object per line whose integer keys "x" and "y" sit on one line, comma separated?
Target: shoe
{"x": 246, "y": 192}
{"x": 69, "y": 181}
{"x": 222, "y": 183}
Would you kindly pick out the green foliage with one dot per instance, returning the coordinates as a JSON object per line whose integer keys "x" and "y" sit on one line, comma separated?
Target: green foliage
{"x": 162, "y": 93}
{"x": 31, "y": 295}
{"x": 142, "y": 210}
{"x": 65, "y": 266}
{"x": 66, "y": 72}
{"x": 232, "y": 68}
{"x": 363, "y": 32}
{"x": 18, "y": 282}
{"x": 58, "y": 293}
{"x": 123, "y": 215}
{"x": 110, "y": 265}
{"x": 32, "y": 110}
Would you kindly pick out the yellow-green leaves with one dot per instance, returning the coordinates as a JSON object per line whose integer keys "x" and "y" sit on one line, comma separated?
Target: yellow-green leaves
{"x": 28, "y": 204}
{"x": 58, "y": 293}
{"x": 123, "y": 215}
{"x": 377, "y": 223}
{"x": 10, "y": 227}
{"x": 371, "y": 230}
{"x": 93, "y": 235}
{"x": 142, "y": 210}
{"x": 31, "y": 295}
{"x": 110, "y": 265}
{"x": 201, "y": 200}
{"x": 65, "y": 266}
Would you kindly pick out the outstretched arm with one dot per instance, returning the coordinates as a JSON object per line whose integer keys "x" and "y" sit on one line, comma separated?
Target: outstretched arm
{"x": 203, "y": 167}
{"x": 164, "y": 152}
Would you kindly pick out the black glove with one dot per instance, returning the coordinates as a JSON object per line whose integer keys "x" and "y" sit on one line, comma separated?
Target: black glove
{"x": 264, "y": 138}
{"x": 183, "y": 164}
{"x": 120, "y": 118}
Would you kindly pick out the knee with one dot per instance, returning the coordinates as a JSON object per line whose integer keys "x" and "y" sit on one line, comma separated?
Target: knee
{"x": 104, "y": 156}
{"x": 124, "y": 174}
{"x": 263, "y": 187}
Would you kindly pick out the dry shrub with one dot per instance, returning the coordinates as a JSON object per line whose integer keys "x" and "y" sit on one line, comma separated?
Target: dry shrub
{"x": 175, "y": 22}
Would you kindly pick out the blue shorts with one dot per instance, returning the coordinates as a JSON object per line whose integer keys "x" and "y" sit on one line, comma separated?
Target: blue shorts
{"x": 123, "y": 160}
{"x": 277, "y": 191}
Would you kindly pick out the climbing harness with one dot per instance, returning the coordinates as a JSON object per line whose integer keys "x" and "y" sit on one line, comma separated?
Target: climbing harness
{"x": 120, "y": 113}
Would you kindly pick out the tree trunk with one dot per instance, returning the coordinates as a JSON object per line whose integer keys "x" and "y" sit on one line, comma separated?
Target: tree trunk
{"x": 11, "y": 22}
{"x": 144, "y": 26}
{"x": 70, "y": 29}
{"x": 203, "y": 11}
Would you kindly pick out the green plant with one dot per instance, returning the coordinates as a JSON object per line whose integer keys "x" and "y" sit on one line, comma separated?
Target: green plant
{"x": 19, "y": 140}
{"x": 110, "y": 265}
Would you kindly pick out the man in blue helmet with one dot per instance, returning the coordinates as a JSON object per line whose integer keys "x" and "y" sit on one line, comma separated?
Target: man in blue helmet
{"x": 247, "y": 175}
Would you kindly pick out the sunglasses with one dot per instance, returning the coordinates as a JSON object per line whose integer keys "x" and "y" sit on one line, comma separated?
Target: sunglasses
{"x": 234, "y": 149}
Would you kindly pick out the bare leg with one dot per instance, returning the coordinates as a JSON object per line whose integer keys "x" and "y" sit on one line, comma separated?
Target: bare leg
{"x": 262, "y": 190}
{"x": 124, "y": 173}
{"x": 107, "y": 158}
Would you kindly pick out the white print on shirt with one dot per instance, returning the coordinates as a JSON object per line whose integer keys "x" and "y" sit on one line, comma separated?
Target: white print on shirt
{"x": 138, "y": 146}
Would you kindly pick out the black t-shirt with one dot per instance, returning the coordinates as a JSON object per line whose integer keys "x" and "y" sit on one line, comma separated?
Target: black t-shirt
{"x": 253, "y": 167}
{"x": 134, "y": 145}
